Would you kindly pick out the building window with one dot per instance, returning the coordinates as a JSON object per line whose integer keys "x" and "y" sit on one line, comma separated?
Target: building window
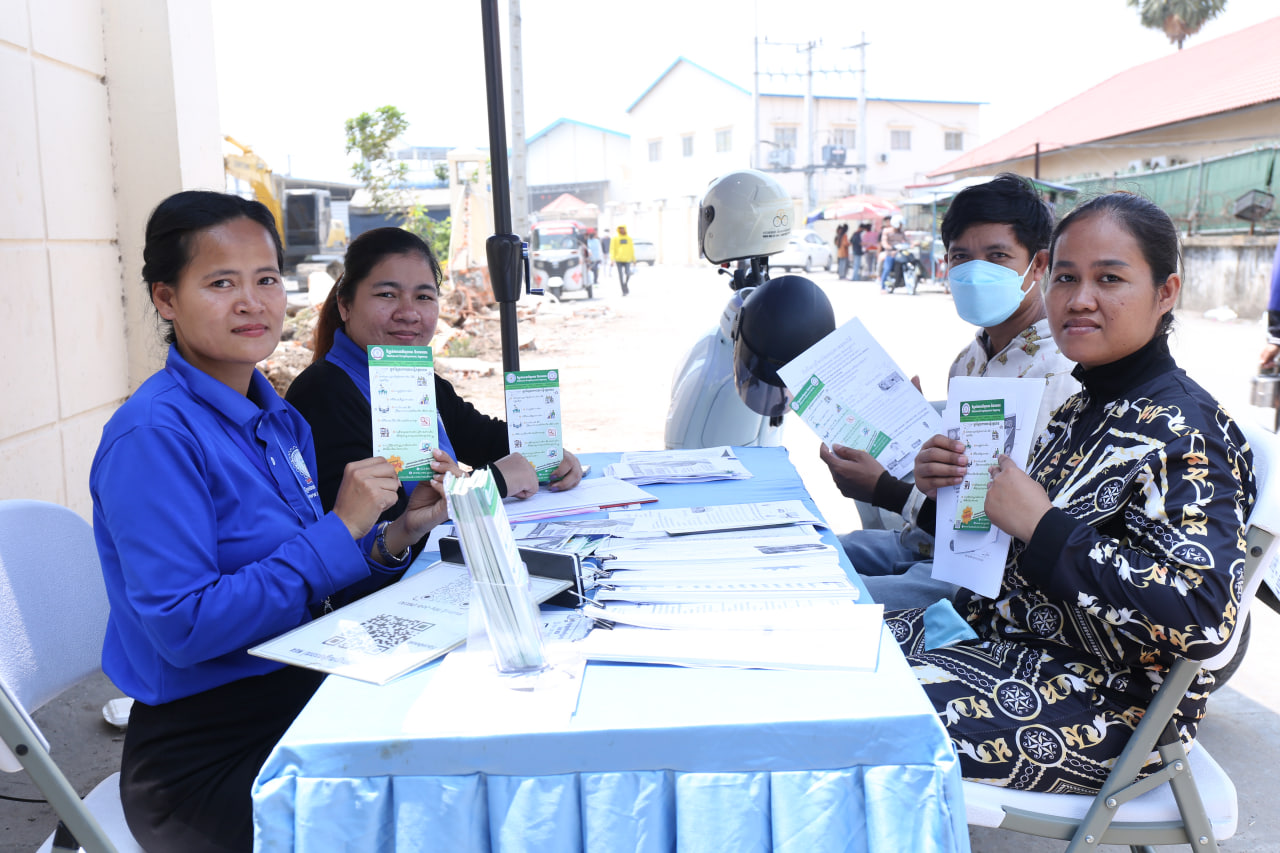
{"x": 686, "y": 145}
{"x": 785, "y": 137}
{"x": 845, "y": 137}
{"x": 655, "y": 150}
{"x": 954, "y": 140}
{"x": 724, "y": 140}
{"x": 900, "y": 140}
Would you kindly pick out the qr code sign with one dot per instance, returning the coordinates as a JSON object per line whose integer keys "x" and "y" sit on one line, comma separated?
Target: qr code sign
{"x": 379, "y": 634}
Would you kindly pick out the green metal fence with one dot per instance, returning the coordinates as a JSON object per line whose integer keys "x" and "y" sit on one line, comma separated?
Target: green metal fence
{"x": 1201, "y": 197}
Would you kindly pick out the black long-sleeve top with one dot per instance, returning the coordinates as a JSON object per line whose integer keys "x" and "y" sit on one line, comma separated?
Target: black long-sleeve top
{"x": 1141, "y": 557}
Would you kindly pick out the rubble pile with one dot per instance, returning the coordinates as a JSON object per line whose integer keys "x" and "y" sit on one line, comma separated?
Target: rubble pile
{"x": 468, "y": 342}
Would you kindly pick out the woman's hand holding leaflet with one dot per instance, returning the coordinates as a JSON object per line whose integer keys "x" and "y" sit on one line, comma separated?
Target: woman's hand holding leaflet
{"x": 519, "y": 474}
{"x": 1015, "y": 502}
{"x": 369, "y": 487}
{"x": 567, "y": 474}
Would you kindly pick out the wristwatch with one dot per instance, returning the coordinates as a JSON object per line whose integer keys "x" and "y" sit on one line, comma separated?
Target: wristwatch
{"x": 381, "y": 542}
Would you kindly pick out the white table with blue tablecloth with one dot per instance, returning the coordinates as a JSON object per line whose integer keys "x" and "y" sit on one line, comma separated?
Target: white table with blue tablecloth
{"x": 656, "y": 758}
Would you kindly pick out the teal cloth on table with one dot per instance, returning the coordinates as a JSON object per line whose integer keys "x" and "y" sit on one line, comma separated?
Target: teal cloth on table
{"x": 943, "y": 626}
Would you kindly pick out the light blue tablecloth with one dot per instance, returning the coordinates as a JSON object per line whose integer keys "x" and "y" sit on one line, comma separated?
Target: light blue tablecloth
{"x": 655, "y": 759}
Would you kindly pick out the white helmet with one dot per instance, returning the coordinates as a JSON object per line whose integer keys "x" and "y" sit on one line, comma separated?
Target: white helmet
{"x": 744, "y": 214}
{"x": 896, "y": 221}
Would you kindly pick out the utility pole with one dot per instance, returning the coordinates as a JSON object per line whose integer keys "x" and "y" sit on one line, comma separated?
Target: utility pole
{"x": 809, "y": 203}
{"x": 757, "y": 162}
{"x": 519, "y": 160}
{"x": 808, "y": 129}
{"x": 861, "y": 165}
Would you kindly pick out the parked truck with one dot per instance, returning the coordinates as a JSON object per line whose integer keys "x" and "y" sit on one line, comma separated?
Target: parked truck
{"x": 304, "y": 217}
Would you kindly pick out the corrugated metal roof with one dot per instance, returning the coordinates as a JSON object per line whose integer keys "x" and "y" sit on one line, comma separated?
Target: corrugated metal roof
{"x": 1228, "y": 73}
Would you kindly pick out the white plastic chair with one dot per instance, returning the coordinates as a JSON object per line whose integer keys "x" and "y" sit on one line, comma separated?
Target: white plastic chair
{"x": 1190, "y": 800}
{"x": 53, "y": 614}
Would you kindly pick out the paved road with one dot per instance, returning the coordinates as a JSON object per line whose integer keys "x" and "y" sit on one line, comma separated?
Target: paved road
{"x": 668, "y": 309}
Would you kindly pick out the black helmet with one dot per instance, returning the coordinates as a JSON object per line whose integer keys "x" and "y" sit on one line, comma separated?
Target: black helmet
{"x": 779, "y": 320}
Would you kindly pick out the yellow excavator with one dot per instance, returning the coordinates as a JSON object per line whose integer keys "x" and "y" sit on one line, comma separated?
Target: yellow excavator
{"x": 304, "y": 217}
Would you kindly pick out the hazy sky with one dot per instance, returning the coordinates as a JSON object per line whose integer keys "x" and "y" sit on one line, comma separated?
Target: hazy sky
{"x": 290, "y": 72}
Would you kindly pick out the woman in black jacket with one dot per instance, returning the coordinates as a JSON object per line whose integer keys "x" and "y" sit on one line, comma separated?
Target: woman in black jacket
{"x": 389, "y": 294}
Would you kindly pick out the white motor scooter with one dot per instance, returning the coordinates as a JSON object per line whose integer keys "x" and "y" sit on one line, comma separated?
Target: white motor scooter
{"x": 706, "y": 410}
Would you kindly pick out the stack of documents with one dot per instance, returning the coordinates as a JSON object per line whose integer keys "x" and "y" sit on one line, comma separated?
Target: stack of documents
{"x": 697, "y": 465}
{"x": 746, "y": 585}
{"x": 591, "y": 495}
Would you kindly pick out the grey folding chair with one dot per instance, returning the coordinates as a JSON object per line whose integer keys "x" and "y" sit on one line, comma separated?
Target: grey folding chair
{"x": 1190, "y": 799}
{"x": 53, "y": 613}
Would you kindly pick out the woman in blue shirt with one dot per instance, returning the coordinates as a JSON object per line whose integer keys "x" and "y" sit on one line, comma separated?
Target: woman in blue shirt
{"x": 211, "y": 533}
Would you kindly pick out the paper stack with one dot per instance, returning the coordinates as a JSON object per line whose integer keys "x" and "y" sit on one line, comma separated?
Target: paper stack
{"x": 748, "y": 585}
{"x": 696, "y": 465}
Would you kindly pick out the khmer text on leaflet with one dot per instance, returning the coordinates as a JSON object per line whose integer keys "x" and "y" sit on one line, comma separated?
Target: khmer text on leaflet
{"x": 850, "y": 392}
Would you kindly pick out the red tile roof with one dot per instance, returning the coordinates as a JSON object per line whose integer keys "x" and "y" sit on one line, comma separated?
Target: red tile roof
{"x": 1227, "y": 73}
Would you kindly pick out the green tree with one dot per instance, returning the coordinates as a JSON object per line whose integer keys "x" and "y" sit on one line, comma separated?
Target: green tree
{"x": 372, "y": 135}
{"x": 1177, "y": 18}
{"x": 436, "y": 234}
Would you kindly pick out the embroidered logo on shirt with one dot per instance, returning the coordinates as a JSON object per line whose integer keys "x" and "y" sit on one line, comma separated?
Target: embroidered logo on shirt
{"x": 300, "y": 465}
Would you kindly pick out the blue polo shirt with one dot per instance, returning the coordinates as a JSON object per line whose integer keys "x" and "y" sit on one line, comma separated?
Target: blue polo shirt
{"x": 210, "y": 532}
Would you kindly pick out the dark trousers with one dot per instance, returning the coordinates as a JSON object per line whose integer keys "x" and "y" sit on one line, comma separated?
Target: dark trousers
{"x": 187, "y": 771}
{"x": 624, "y": 274}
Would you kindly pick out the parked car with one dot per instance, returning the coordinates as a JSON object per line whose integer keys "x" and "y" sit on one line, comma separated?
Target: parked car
{"x": 646, "y": 252}
{"x": 806, "y": 250}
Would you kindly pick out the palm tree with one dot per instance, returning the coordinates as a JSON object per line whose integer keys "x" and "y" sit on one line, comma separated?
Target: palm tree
{"x": 1178, "y": 18}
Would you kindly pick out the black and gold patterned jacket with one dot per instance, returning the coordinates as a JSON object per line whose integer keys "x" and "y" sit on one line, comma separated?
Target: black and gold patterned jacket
{"x": 1140, "y": 560}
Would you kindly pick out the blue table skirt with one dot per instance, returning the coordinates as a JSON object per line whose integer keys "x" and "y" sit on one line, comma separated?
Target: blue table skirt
{"x": 656, "y": 758}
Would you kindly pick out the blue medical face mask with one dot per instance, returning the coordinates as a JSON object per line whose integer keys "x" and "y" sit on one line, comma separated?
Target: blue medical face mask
{"x": 986, "y": 294}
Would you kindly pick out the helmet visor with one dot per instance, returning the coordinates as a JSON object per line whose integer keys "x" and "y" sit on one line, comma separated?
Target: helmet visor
{"x": 754, "y": 375}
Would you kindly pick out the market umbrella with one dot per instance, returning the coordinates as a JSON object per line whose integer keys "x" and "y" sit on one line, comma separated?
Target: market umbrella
{"x": 871, "y": 207}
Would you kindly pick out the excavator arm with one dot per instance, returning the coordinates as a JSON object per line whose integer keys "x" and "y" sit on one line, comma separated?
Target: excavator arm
{"x": 254, "y": 171}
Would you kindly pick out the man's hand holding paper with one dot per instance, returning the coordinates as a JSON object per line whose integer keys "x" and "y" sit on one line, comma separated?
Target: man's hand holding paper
{"x": 855, "y": 472}
{"x": 940, "y": 462}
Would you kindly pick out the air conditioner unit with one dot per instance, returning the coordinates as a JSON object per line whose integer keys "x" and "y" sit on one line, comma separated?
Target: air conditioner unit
{"x": 833, "y": 155}
{"x": 782, "y": 158}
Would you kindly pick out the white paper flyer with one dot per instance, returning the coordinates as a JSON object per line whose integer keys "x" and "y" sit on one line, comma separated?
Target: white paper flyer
{"x": 849, "y": 391}
{"x": 992, "y": 416}
{"x": 533, "y": 418}
{"x": 402, "y": 392}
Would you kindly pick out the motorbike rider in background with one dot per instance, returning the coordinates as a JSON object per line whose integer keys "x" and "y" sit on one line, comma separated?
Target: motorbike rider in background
{"x": 890, "y": 237}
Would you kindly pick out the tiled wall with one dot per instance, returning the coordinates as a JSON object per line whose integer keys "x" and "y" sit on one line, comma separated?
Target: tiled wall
{"x": 90, "y": 141}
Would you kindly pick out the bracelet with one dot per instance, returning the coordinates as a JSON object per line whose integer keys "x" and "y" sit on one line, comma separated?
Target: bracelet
{"x": 381, "y": 542}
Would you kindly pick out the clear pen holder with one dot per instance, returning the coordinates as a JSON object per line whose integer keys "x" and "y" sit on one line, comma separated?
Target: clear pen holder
{"x": 511, "y": 626}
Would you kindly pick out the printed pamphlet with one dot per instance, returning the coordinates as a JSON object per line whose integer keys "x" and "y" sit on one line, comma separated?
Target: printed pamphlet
{"x": 402, "y": 392}
{"x": 533, "y": 418}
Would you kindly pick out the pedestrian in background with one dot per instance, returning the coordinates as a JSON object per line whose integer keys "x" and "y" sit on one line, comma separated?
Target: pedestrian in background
{"x": 605, "y": 242}
{"x": 856, "y": 251}
{"x": 595, "y": 253}
{"x": 871, "y": 249}
{"x": 842, "y": 251}
{"x": 623, "y": 252}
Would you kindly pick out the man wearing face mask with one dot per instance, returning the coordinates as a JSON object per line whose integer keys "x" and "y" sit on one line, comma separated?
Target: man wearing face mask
{"x": 996, "y": 235}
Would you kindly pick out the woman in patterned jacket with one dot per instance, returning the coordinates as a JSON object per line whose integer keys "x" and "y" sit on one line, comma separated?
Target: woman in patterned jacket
{"x": 1128, "y": 529}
